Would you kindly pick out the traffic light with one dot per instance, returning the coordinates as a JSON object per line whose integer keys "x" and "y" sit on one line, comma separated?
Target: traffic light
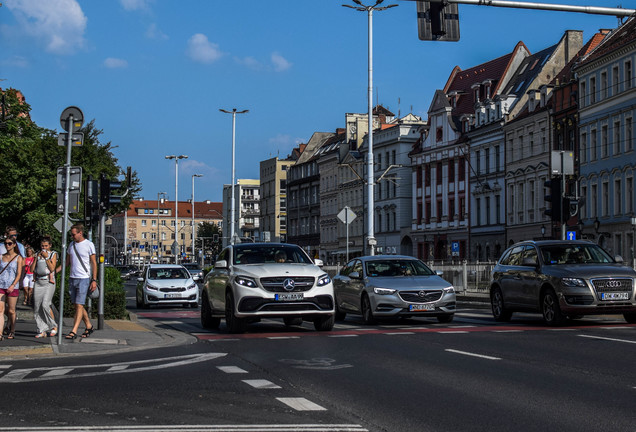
{"x": 106, "y": 197}
{"x": 438, "y": 20}
{"x": 554, "y": 198}
{"x": 91, "y": 202}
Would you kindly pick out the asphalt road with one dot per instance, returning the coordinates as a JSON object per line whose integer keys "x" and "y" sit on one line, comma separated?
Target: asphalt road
{"x": 409, "y": 375}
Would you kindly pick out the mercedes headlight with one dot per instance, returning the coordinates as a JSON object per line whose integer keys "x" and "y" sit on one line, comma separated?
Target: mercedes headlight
{"x": 324, "y": 280}
{"x": 245, "y": 281}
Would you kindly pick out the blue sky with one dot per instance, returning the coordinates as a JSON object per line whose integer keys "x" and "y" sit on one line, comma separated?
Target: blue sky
{"x": 154, "y": 73}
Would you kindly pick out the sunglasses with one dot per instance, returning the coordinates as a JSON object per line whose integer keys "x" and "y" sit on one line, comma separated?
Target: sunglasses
{"x": 9, "y": 243}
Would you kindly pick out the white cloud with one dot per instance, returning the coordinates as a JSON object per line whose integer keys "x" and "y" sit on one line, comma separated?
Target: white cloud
{"x": 131, "y": 5}
{"x": 201, "y": 50}
{"x": 192, "y": 166}
{"x": 250, "y": 62}
{"x": 153, "y": 32}
{"x": 115, "y": 63}
{"x": 58, "y": 24}
{"x": 279, "y": 62}
{"x": 16, "y": 61}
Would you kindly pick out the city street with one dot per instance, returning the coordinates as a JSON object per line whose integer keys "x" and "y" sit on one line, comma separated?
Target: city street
{"x": 473, "y": 374}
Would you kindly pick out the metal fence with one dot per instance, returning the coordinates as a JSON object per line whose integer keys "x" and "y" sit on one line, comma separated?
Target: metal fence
{"x": 466, "y": 277}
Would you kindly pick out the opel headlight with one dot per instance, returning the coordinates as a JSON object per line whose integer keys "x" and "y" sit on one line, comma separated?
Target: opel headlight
{"x": 246, "y": 281}
{"x": 324, "y": 280}
{"x": 383, "y": 291}
{"x": 449, "y": 290}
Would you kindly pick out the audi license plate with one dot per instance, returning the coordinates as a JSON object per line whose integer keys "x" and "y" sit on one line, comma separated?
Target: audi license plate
{"x": 421, "y": 307}
{"x": 289, "y": 297}
{"x": 172, "y": 296}
{"x": 615, "y": 296}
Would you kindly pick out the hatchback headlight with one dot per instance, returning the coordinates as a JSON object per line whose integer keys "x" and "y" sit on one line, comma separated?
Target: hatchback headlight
{"x": 573, "y": 282}
{"x": 246, "y": 281}
{"x": 193, "y": 286}
{"x": 383, "y": 291}
{"x": 150, "y": 287}
{"x": 324, "y": 280}
{"x": 449, "y": 290}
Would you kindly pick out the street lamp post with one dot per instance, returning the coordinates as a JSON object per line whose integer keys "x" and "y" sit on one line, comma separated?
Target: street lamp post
{"x": 176, "y": 204}
{"x": 371, "y": 241}
{"x": 161, "y": 196}
{"x": 234, "y": 112}
{"x": 194, "y": 231}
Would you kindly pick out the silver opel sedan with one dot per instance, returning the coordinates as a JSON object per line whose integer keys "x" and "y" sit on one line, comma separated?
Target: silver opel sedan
{"x": 392, "y": 286}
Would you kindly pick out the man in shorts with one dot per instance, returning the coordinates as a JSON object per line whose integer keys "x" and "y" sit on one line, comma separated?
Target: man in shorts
{"x": 80, "y": 256}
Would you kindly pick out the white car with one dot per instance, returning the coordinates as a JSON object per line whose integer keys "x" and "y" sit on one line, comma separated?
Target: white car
{"x": 274, "y": 280}
{"x": 166, "y": 284}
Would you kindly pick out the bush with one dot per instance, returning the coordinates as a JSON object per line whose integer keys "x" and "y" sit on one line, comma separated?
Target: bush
{"x": 114, "y": 297}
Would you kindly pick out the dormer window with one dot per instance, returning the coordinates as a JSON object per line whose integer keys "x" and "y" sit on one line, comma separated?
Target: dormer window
{"x": 439, "y": 134}
{"x": 476, "y": 92}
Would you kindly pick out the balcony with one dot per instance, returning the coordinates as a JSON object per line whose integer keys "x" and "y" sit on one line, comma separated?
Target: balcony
{"x": 250, "y": 198}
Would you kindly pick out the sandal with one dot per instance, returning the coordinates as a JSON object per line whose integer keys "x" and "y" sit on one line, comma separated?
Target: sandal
{"x": 71, "y": 335}
{"x": 53, "y": 332}
{"x": 88, "y": 332}
{"x": 11, "y": 335}
{"x": 41, "y": 335}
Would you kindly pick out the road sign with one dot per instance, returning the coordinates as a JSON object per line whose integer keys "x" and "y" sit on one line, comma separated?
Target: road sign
{"x": 175, "y": 247}
{"x": 75, "y": 176}
{"x": 73, "y": 202}
{"x": 571, "y": 235}
{"x": 78, "y": 119}
{"x": 77, "y": 139}
{"x": 455, "y": 248}
{"x": 346, "y": 215}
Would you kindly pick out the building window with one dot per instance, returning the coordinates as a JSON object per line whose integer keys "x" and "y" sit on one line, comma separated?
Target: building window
{"x": 439, "y": 210}
{"x": 628, "y": 75}
{"x": 593, "y": 150}
{"x": 497, "y": 158}
{"x": 451, "y": 171}
{"x": 478, "y": 211}
{"x": 583, "y": 148}
{"x": 629, "y": 195}
{"x": 615, "y": 81}
{"x": 427, "y": 175}
{"x": 594, "y": 207}
{"x": 462, "y": 169}
{"x": 604, "y": 142}
{"x": 439, "y": 134}
{"x": 603, "y": 85}
{"x": 583, "y": 95}
{"x": 629, "y": 136}
{"x": 143, "y": 222}
{"x": 605, "y": 198}
{"x": 451, "y": 209}
{"x": 592, "y": 90}
{"x": 487, "y": 160}
{"x": 487, "y": 210}
{"x": 438, "y": 173}
{"x": 478, "y": 162}
{"x": 498, "y": 208}
{"x": 617, "y": 197}
{"x": 617, "y": 138}
{"x": 583, "y": 210}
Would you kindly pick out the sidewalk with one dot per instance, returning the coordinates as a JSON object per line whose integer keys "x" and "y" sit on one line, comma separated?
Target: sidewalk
{"x": 117, "y": 335}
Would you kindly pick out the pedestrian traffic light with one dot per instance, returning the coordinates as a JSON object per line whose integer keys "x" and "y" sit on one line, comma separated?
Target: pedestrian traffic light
{"x": 91, "y": 202}
{"x": 553, "y": 196}
{"x": 438, "y": 20}
{"x": 106, "y": 196}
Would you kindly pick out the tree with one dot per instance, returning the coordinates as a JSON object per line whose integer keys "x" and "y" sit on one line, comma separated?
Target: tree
{"x": 30, "y": 158}
{"x": 209, "y": 235}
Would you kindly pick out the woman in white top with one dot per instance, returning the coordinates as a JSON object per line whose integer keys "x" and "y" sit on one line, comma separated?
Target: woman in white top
{"x": 11, "y": 266}
{"x": 43, "y": 269}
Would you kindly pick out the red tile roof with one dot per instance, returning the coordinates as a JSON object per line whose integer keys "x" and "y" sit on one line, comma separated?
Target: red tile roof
{"x": 202, "y": 209}
{"x": 618, "y": 38}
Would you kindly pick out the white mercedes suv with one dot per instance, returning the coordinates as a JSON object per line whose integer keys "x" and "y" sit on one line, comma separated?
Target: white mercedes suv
{"x": 274, "y": 280}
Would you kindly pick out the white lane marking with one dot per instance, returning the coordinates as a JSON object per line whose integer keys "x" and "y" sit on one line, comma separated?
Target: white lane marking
{"x": 398, "y": 333}
{"x": 452, "y": 332}
{"x": 414, "y": 328}
{"x": 301, "y": 404}
{"x": 19, "y": 375}
{"x": 343, "y": 335}
{"x": 5, "y": 366}
{"x": 609, "y": 339}
{"x": 461, "y": 326}
{"x": 202, "y": 428}
{"x": 507, "y": 331}
{"x": 231, "y": 369}
{"x": 118, "y": 368}
{"x": 283, "y": 337}
{"x": 561, "y": 329}
{"x": 57, "y": 372}
{"x": 614, "y": 328}
{"x": 472, "y": 354}
{"x": 262, "y": 384}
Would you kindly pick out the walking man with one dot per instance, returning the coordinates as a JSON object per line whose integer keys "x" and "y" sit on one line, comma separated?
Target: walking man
{"x": 83, "y": 277}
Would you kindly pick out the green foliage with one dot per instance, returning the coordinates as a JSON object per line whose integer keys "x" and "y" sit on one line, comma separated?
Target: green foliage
{"x": 114, "y": 296}
{"x": 29, "y": 163}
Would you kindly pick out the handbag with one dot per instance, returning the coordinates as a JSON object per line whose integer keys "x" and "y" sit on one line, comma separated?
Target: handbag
{"x": 91, "y": 294}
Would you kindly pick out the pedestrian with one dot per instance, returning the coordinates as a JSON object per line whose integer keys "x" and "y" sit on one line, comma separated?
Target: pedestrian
{"x": 12, "y": 232}
{"x": 83, "y": 277}
{"x": 10, "y": 271}
{"x": 43, "y": 269}
{"x": 27, "y": 279}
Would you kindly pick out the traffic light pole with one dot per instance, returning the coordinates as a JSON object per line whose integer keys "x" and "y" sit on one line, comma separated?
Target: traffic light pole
{"x": 100, "y": 263}
{"x": 562, "y": 197}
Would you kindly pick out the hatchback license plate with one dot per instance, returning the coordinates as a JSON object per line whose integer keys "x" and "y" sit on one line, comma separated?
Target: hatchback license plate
{"x": 615, "y": 296}
{"x": 173, "y": 295}
{"x": 289, "y": 297}
{"x": 421, "y": 307}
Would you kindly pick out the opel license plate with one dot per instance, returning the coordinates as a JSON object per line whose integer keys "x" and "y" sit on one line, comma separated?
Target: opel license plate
{"x": 615, "y": 296}
{"x": 421, "y": 307}
{"x": 289, "y": 297}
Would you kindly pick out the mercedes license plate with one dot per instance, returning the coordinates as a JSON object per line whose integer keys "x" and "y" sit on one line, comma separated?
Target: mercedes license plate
{"x": 615, "y": 296}
{"x": 421, "y": 307}
{"x": 289, "y": 297}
